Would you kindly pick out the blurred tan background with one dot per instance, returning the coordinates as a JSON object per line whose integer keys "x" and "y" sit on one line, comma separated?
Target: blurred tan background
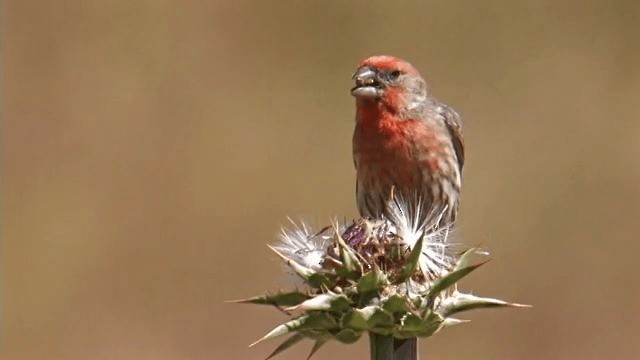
{"x": 150, "y": 149}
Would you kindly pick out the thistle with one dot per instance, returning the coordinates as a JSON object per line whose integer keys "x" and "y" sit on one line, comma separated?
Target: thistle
{"x": 391, "y": 278}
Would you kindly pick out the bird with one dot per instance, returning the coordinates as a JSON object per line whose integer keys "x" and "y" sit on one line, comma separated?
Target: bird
{"x": 407, "y": 145}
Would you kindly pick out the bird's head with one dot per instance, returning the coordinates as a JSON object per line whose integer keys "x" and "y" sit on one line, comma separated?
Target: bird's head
{"x": 389, "y": 81}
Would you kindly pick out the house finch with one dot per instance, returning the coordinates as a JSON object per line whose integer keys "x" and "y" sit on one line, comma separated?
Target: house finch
{"x": 407, "y": 145}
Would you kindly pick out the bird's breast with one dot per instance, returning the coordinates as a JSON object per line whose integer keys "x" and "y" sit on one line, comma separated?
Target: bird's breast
{"x": 398, "y": 151}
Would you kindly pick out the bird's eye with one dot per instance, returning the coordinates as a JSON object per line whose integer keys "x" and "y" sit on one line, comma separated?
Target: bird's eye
{"x": 389, "y": 76}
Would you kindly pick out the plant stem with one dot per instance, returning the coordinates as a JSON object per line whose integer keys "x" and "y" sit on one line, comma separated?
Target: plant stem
{"x": 381, "y": 346}
{"x": 385, "y": 347}
{"x": 405, "y": 349}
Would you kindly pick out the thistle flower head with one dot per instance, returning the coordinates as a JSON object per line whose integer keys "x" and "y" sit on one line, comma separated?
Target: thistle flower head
{"x": 390, "y": 276}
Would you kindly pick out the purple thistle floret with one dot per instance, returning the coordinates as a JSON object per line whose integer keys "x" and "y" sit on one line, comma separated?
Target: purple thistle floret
{"x": 354, "y": 235}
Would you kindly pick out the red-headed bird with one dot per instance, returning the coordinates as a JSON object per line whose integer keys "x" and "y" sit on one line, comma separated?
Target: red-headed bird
{"x": 407, "y": 145}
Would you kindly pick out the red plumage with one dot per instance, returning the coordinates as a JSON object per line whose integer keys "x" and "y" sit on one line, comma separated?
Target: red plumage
{"x": 406, "y": 143}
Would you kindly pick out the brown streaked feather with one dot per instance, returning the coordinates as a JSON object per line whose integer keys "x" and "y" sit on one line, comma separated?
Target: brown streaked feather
{"x": 454, "y": 125}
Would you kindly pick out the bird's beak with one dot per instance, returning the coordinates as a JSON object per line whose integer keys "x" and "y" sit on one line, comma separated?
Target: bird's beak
{"x": 368, "y": 84}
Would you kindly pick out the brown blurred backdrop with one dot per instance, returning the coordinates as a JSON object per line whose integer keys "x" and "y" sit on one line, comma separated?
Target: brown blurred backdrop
{"x": 150, "y": 149}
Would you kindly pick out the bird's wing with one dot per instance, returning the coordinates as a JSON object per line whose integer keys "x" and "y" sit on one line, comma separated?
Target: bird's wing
{"x": 454, "y": 124}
